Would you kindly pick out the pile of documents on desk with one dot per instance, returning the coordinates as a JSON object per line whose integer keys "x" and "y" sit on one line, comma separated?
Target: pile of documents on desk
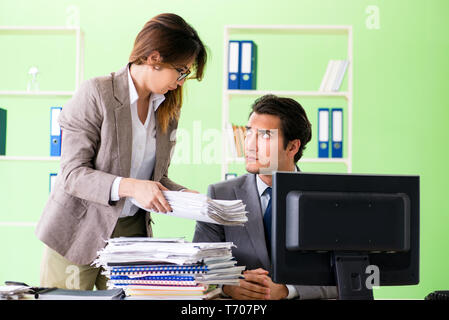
{"x": 202, "y": 208}
{"x": 149, "y": 268}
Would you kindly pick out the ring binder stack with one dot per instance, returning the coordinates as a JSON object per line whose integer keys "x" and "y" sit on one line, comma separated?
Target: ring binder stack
{"x": 242, "y": 64}
{"x": 330, "y": 127}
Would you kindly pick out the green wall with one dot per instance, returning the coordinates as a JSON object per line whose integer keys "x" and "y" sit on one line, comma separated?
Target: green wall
{"x": 401, "y": 104}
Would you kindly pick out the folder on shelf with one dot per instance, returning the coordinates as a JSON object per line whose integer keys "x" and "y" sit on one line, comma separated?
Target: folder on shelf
{"x": 334, "y": 75}
{"x": 239, "y": 138}
{"x": 342, "y": 66}
{"x": 337, "y": 133}
{"x": 55, "y": 132}
{"x": 230, "y": 140}
{"x": 248, "y": 51}
{"x": 326, "y": 76}
{"x": 234, "y": 64}
{"x": 52, "y": 180}
{"x": 230, "y": 175}
{"x": 323, "y": 132}
{"x": 2, "y": 132}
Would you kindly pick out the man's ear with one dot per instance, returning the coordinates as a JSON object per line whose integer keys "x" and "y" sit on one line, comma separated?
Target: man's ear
{"x": 293, "y": 147}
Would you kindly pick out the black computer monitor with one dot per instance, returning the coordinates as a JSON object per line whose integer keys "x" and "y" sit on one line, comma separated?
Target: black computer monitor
{"x": 327, "y": 229}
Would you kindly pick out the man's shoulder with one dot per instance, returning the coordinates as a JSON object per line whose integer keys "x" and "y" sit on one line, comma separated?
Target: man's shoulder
{"x": 232, "y": 182}
{"x": 225, "y": 186}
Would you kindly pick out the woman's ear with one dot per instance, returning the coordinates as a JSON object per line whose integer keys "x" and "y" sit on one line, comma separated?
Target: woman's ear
{"x": 154, "y": 59}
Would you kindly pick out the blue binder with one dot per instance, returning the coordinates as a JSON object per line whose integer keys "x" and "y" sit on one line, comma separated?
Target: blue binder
{"x": 248, "y": 61}
{"x": 229, "y": 176}
{"x": 2, "y": 132}
{"x": 233, "y": 64}
{"x": 337, "y": 133}
{"x": 323, "y": 133}
{"x": 167, "y": 269}
{"x": 52, "y": 179}
{"x": 55, "y": 132}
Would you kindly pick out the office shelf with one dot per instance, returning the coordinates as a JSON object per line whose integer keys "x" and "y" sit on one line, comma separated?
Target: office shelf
{"x": 36, "y": 30}
{"x": 79, "y": 66}
{"x": 28, "y": 158}
{"x": 293, "y": 30}
{"x": 36, "y": 93}
{"x": 303, "y": 160}
{"x": 288, "y": 93}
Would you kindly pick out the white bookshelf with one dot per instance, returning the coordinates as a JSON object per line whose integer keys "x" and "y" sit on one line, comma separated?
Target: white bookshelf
{"x": 79, "y": 72}
{"x": 292, "y": 29}
{"x": 37, "y": 93}
{"x": 38, "y": 30}
{"x": 287, "y": 93}
{"x": 28, "y": 158}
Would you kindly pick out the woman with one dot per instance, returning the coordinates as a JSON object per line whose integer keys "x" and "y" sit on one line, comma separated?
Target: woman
{"x": 116, "y": 145}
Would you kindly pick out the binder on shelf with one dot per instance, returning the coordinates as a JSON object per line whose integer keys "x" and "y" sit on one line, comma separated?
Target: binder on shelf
{"x": 334, "y": 75}
{"x": 248, "y": 61}
{"x": 342, "y": 66}
{"x": 55, "y": 132}
{"x": 239, "y": 138}
{"x": 52, "y": 180}
{"x": 337, "y": 133}
{"x": 230, "y": 138}
{"x": 234, "y": 65}
{"x": 326, "y": 76}
{"x": 230, "y": 175}
{"x": 323, "y": 132}
{"x": 2, "y": 132}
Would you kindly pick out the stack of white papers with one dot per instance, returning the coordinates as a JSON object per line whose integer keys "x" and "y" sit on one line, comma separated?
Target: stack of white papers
{"x": 149, "y": 268}
{"x": 202, "y": 208}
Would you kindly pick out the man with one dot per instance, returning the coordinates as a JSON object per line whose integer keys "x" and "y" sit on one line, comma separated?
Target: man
{"x": 276, "y": 135}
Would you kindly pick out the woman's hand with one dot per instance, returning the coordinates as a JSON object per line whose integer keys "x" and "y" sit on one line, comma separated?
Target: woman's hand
{"x": 146, "y": 193}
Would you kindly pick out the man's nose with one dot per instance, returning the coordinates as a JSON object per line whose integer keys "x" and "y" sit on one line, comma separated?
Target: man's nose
{"x": 251, "y": 142}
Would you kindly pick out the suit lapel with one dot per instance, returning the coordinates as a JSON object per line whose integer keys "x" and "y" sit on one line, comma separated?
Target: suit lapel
{"x": 160, "y": 142}
{"x": 163, "y": 148}
{"x": 123, "y": 121}
{"x": 247, "y": 192}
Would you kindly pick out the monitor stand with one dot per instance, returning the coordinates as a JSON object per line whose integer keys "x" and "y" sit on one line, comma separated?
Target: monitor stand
{"x": 351, "y": 276}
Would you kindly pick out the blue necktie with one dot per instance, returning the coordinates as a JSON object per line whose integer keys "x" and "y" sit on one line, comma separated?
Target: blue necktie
{"x": 267, "y": 220}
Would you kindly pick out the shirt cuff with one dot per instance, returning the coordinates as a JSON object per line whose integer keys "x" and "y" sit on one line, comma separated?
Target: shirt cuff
{"x": 114, "y": 189}
{"x": 292, "y": 292}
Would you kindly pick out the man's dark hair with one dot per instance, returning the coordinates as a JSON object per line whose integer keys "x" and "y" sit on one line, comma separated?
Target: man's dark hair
{"x": 294, "y": 122}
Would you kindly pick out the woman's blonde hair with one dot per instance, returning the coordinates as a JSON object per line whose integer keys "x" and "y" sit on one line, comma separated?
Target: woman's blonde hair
{"x": 177, "y": 43}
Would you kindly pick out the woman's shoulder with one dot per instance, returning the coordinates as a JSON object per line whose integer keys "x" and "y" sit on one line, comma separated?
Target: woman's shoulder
{"x": 105, "y": 82}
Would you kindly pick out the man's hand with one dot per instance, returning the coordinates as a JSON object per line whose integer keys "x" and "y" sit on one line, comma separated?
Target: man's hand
{"x": 276, "y": 291}
{"x": 253, "y": 287}
{"x": 256, "y": 285}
